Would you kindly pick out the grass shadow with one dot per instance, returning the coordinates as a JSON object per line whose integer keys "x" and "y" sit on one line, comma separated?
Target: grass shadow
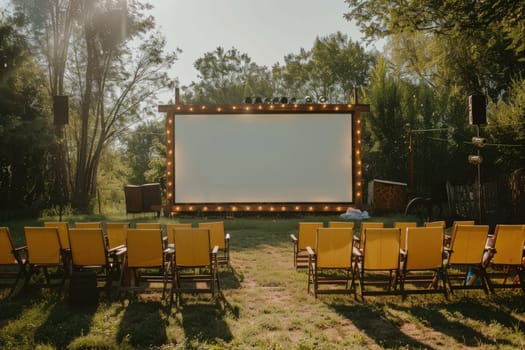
{"x": 377, "y": 325}
{"x": 205, "y": 322}
{"x": 63, "y": 324}
{"x": 230, "y": 278}
{"x": 143, "y": 325}
{"x": 433, "y": 316}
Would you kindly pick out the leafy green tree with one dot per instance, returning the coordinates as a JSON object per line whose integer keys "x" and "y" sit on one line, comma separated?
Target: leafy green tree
{"x": 476, "y": 45}
{"x": 227, "y": 77}
{"x": 142, "y": 148}
{"x": 332, "y": 68}
{"x": 507, "y": 131}
{"x": 115, "y": 66}
{"x": 456, "y": 48}
{"x": 25, "y": 131}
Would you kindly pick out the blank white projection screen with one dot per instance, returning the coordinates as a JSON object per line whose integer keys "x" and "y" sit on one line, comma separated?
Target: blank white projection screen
{"x": 263, "y": 158}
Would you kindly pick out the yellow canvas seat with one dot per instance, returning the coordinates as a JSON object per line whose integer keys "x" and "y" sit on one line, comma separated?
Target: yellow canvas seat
{"x": 453, "y": 228}
{"x": 88, "y": 224}
{"x": 195, "y": 263}
{"x": 379, "y": 261}
{"x": 12, "y": 261}
{"x": 116, "y": 234}
{"x": 506, "y": 268}
{"x": 363, "y": 227}
{"x": 220, "y": 239}
{"x": 422, "y": 268}
{"x": 169, "y": 231}
{"x": 306, "y": 236}
{"x": 63, "y": 231}
{"x": 403, "y": 225}
{"x": 330, "y": 264}
{"x": 440, "y": 223}
{"x": 465, "y": 254}
{"x": 44, "y": 258}
{"x": 89, "y": 253}
{"x": 146, "y": 263}
{"x": 341, "y": 224}
{"x": 148, "y": 225}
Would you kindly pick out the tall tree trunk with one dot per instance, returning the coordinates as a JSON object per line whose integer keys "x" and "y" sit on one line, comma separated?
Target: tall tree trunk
{"x": 82, "y": 192}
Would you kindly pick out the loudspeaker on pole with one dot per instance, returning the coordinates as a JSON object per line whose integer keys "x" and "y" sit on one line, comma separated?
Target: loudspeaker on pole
{"x": 60, "y": 110}
{"x": 477, "y": 109}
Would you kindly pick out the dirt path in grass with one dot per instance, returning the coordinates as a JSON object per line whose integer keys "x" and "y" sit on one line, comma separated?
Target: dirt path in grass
{"x": 277, "y": 308}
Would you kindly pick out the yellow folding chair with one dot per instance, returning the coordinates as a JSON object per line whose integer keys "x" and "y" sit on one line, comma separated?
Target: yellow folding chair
{"x": 116, "y": 234}
{"x": 454, "y": 227}
{"x": 171, "y": 227}
{"x": 195, "y": 263}
{"x": 422, "y": 266}
{"x": 440, "y": 223}
{"x": 306, "y": 236}
{"x": 63, "y": 231}
{"x": 506, "y": 268}
{"x": 379, "y": 261}
{"x": 403, "y": 225}
{"x": 363, "y": 227}
{"x": 44, "y": 258}
{"x": 11, "y": 258}
{"x": 465, "y": 268}
{"x": 148, "y": 225}
{"x": 89, "y": 253}
{"x": 341, "y": 224}
{"x": 220, "y": 239}
{"x": 146, "y": 262}
{"x": 88, "y": 224}
{"x": 330, "y": 264}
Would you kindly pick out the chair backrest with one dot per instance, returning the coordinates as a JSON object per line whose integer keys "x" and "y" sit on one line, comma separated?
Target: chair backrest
{"x": 364, "y": 226}
{"x": 148, "y": 225}
{"x": 403, "y": 225}
{"x": 468, "y": 244}
{"x": 87, "y": 247}
{"x": 508, "y": 242}
{"x": 145, "y": 248}
{"x": 307, "y": 234}
{"x": 424, "y": 247}
{"x": 341, "y": 224}
{"x": 192, "y": 247}
{"x": 334, "y": 247}
{"x": 116, "y": 233}
{"x": 441, "y": 223}
{"x": 381, "y": 248}
{"x": 63, "y": 231}
{"x": 88, "y": 224}
{"x": 457, "y": 223}
{"x": 7, "y": 257}
{"x": 171, "y": 227}
{"x": 43, "y": 246}
{"x": 217, "y": 235}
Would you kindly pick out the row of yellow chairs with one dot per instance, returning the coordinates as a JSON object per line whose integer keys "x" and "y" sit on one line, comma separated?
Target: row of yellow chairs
{"x": 306, "y": 233}
{"x": 115, "y": 233}
{"x": 381, "y": 263}
{"x": 44, "y": 257}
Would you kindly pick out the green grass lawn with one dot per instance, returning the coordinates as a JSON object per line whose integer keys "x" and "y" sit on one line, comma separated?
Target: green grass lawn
{"x": 264, "y": 305}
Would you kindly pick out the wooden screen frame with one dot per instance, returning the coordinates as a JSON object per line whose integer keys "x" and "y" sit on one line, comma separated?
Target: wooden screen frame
{"x": 354, "y": 109}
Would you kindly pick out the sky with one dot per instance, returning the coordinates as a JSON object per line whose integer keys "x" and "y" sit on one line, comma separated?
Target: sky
{"x": 266, "y": 30}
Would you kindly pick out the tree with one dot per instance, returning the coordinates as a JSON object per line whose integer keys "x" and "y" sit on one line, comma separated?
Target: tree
{"x": 476, "y": 45}
{"x": 457, "y": 48}
{"x": 141, "y": 150}
{"x": 114, "y": 69}
{"x": 332, "y": 68}
{"x": 25, "y": 131}
{"x": 227, "y": 77}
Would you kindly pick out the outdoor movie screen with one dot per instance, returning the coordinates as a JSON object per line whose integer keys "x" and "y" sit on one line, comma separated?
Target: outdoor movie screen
{"x": 263, "y": 158}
